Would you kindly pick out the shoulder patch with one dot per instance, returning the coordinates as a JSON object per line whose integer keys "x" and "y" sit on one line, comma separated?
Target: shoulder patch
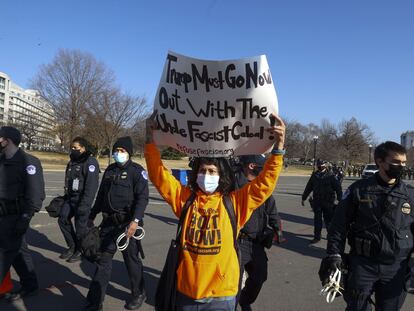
{"x": 92, "y": 168}
{"x": 144, "y": 174}
{"x": 31, "y": 169}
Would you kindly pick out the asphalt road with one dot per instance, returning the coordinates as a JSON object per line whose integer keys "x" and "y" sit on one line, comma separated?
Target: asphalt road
{"x": 292, "y": 284}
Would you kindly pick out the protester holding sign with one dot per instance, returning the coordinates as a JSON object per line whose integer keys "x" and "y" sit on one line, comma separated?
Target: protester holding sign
{"x": 212, "y": 108}
{"x": 208, "y": 269}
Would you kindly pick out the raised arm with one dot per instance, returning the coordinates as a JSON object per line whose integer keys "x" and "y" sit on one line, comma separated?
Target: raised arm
{"x": 255, "y": 193}
{"x": 167, "y": 185}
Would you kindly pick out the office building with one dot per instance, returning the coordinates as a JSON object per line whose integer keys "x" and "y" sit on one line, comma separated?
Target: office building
{"x": 26, "y": 110}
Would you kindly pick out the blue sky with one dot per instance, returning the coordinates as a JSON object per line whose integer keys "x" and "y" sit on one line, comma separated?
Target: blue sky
{"x": 329, "y": 59}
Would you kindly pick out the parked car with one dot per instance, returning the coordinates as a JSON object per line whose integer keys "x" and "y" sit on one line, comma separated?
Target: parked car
{"x": 369, "y": 169}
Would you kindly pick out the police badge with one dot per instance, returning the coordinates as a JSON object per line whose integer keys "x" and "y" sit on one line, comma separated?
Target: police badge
{"x": 406, "y": 208}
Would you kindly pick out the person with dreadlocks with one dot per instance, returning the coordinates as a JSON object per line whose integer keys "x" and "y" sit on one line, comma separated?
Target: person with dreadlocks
{"x": 208, "y": 267}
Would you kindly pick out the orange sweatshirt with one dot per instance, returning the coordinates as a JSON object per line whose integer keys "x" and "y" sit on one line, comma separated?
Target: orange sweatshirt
{"x": 208, "y": 265}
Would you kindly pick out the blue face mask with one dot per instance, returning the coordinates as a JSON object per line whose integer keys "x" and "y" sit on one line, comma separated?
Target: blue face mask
{"x": 120, "y": 157}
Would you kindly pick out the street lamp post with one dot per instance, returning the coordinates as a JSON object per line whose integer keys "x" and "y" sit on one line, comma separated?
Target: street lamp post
{"x": 315, "y": 141}
{"x": 370, "y": 151}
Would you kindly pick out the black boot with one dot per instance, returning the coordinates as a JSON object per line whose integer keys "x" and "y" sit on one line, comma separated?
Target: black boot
{"x": 77, "y": 256}
{"x": 136, "y": 302}
{"x": 314, "y": 241}
{"x": 67, "y": 254}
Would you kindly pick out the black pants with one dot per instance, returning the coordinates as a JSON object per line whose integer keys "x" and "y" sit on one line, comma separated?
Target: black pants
{"x": 102, "y": 275}
{"x": 72, "y": 234}
{"x": 14, "y": 252}
{"x": 24, "y": 266}
{"x": 367, "y": 277}
{"x": 321, "y": 210}
{"x": 9, "y": 243}
{"x": 254, "y": 262}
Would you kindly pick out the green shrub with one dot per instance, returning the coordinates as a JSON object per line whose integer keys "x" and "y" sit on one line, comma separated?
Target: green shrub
{"x": 171, "y": 154}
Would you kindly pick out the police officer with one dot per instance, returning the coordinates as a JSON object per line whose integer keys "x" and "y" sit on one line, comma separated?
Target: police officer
{"x": 22, "y": 192}
{"x": 377, "y": 216}
{"x": 256, "y": 233}
{"x": 324, "y": 186}
{"x": 81, "y": 184}
{"x": 122, "y": 199}
{"x": 338, "y": 172}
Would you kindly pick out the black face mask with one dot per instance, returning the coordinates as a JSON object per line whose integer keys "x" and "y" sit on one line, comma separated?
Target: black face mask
{"x": 394, "y": 171}
{"x": 75, "y": 155}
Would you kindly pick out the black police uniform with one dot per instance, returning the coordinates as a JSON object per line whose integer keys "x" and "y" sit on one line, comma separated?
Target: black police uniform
{"x": 122, "y": 198}
{"x": 378, "y": 220}
{"x": 253, "y": 255}
{"x": 22, "y": 192}
{"x": 81, "y": 184}
{"x": 324, "y": 186}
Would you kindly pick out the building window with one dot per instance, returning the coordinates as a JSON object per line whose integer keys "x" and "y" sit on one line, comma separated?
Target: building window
{"x": 2, "y": 83}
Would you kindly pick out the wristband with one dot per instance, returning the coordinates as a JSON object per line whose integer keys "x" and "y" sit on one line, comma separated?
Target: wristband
{"x": 278, "y": 151}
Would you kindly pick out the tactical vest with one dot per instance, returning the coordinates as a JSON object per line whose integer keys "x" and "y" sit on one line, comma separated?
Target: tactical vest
{"x": 322, "y": 188}
{"x": 382, "y": 226}
{"x": 75, "y": 178}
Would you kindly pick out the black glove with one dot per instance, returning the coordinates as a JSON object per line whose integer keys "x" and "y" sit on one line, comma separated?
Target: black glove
{"x": 22, "y": 224}
{"x": 328, "y": 265}
{"x": 335, "y": 262}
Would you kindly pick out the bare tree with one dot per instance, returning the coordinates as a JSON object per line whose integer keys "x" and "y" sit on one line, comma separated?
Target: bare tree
{"x": 138, "y": 133}
{"x": 116, "y": 112}
{"x": 354, "y": 138}
{"x": 94, "y": 130}
{"x": 292, "y": 139}
{"x": 299, "y": 139}
{"x": 308, "y": 133}
{"x": 29, "y": 127}
{"x": 328, "y": 142}
{"x": 69, "y": 82}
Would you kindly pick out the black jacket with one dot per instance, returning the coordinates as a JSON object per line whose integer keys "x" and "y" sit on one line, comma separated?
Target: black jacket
{"x": 123, "y": 190}
{"x": 324, "y": 186}
{"x": 21, "y": 181}
{"x": 377, "y": 219}
{"x": 81, "y": 182}
{"x": 265, "y": 215}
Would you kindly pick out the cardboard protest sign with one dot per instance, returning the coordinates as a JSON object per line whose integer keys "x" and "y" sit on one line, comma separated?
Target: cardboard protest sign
{"x": 215, "y": 108}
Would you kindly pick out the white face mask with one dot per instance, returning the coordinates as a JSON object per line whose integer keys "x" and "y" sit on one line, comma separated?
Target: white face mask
{"x": 120, "y": 157}
{"x": 208, "y": 183}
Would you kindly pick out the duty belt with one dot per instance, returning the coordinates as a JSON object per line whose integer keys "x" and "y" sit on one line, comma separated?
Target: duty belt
{"x": 115, "y": 219}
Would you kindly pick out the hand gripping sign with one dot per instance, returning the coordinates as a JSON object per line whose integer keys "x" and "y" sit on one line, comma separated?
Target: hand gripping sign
{"x": 215, "y": 108}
